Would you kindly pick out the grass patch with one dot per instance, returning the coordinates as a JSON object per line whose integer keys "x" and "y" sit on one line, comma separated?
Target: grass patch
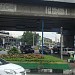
{"x": 32, "y": 58}
{"x": 52, "y": 58}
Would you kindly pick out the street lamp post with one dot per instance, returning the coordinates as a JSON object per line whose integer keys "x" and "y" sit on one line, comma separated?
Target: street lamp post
{"x": 42, "y": 34}
{"x": 33, "y": 39}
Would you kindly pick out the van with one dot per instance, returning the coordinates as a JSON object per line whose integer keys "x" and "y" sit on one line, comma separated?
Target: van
{"x": 68, "y": 51}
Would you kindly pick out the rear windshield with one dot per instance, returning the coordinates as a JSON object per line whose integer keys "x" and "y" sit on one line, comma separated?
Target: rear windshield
{"x": 69, "y": 49}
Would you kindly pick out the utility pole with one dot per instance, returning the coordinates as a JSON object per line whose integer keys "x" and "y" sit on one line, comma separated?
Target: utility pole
{"x": 33, "y": 39}
{"x": 61, "y": 42}
{"x": 42, "y": 33}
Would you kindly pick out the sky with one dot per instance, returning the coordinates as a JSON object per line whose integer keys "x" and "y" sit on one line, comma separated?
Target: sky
{"x": 70, "y": 1}
{"x": 52, "y": 35}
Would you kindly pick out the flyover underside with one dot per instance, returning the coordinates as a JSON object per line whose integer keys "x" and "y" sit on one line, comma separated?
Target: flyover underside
{"x": 34, "y": 23}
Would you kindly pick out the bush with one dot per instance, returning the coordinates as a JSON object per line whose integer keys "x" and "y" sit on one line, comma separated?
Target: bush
{"x": 2, "y": 49}
{"x": 13, "y": 51}
{"x": 32, "y": 58}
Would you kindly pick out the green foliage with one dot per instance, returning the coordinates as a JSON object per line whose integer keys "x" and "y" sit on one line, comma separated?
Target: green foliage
{"x": 27, "y": 37}
{"x": 2, "y": 49}
{"x": 13, "y": 51}
{"x": 52, "y": 58}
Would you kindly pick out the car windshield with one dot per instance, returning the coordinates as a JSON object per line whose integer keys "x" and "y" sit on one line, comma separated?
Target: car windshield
{"x": 3, "y": 62}
{"x": 44, "y": 47}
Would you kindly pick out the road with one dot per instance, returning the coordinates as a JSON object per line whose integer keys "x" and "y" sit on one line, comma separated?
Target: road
{"x": 3, "y": 52}
{"x": 44, "y": 74}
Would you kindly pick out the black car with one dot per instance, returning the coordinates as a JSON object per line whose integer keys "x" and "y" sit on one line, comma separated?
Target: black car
{"x": 46, "y": 50}
{"x": 26, "y": 49}
{"x": 56, "y": 50}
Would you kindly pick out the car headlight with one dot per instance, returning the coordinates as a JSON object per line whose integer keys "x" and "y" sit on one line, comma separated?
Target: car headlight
{"x": 9, "y": 71}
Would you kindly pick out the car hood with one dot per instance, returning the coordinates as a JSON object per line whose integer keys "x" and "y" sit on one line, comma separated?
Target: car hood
{"x": 11, "y": 66}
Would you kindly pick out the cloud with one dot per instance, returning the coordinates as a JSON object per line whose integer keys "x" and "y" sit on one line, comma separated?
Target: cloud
{"x": 51, "y": 35}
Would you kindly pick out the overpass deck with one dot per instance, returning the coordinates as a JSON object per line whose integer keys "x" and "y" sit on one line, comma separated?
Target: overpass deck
{"x": 55, "y": 3}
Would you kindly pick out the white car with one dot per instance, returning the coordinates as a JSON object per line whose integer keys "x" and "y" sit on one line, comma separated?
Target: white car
{"x": 68, "y": 51}
{"x": 7, "y": 68}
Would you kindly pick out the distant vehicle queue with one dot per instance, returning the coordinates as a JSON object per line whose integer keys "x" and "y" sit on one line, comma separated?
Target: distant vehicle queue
{"x": 46, "y": 50}
{"x": 26, "y": 49}
{"x": 66, "y": 51}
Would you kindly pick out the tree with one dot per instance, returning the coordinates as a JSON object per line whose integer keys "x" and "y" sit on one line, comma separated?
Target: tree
{"x": 27, "y": 38}
{"x": 13, "y": 51}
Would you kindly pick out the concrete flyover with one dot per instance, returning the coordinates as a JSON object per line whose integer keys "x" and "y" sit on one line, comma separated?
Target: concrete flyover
{"x": 22, "y": 16}
{"x": 18, "y": 17}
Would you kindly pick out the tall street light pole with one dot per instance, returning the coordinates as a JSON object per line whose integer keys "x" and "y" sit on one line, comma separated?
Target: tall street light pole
{"x": 34, "y": 33}
{"x": 42, "y": 33}
{"x": 61, "y": 42}
{"x": 33, "y": 39}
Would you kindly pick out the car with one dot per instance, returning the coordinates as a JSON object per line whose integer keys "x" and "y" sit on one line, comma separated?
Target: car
{"x": 68, "y": 51}
{"x": 7, "y": 68}
{"x": 46, "y": 50}
{"x": 26, "y": 49}
{"x": 56, "y": 50}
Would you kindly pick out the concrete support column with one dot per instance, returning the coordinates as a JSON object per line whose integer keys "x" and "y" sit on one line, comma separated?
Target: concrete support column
{"x": 68, "y": 40}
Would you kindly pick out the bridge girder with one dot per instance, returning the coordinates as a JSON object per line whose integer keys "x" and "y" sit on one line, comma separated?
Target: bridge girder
{"x": 30, "y": 23}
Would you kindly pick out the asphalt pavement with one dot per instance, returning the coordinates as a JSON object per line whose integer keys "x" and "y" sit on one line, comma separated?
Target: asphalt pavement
{"x": 43, "y": 74}
{"x": 3, "y": 52}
